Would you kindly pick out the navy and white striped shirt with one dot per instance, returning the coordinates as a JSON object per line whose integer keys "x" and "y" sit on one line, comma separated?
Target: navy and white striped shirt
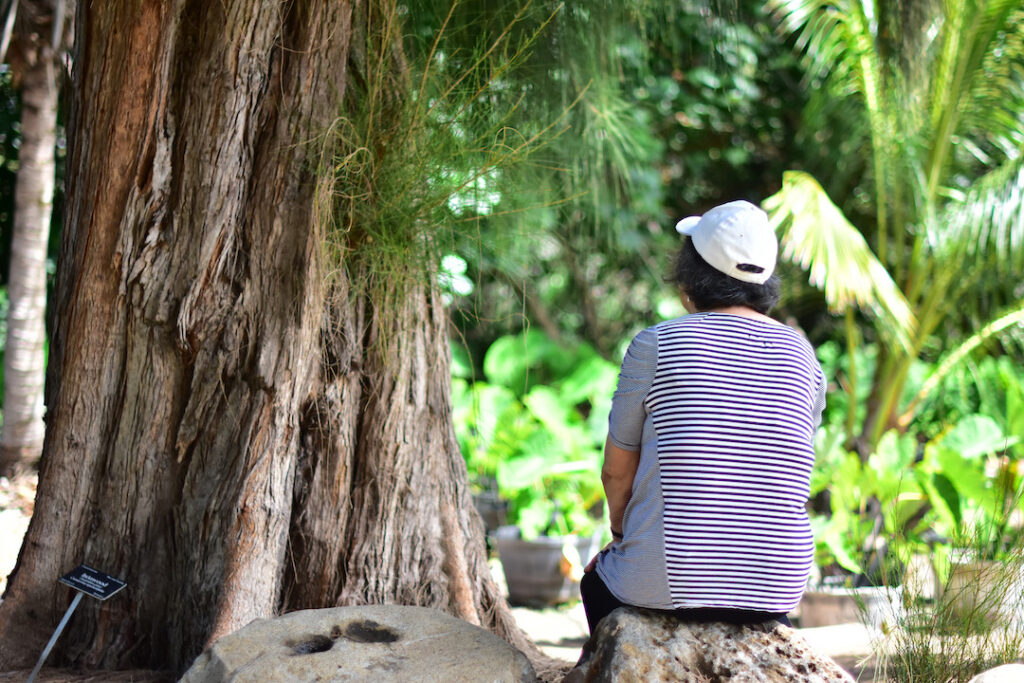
{"x": 723, "y": 409}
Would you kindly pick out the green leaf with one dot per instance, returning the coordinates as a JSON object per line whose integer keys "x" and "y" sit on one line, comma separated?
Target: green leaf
{"x": 548, "y": 405}
{"x": 493, "y": 406}
{"x": 818, "y": 237}
{"x": 1015, "y": 407}
{"x": 829, "y": 455}
{"x": 944, "y": 499}
{"x": 834, "y": 535}
{"x": 549, "y": 408}
{"x": 597, "y": 420}
{"x": 515, "y": 474}
{"x": 518, "y": 361}
{"x": 969, "y": 480}
{"x": 848, "y": 490}
{"x": 534, "y": 519}
{"x": 957, "y": 356}
{"x": 988, "y": 223}
{"x": 593, "y": 377}
{"x": 462, "y": 366}
{"x": 975, "y": 436}
{"x": 890, "y": 467}
{"x": 895, "y": 452}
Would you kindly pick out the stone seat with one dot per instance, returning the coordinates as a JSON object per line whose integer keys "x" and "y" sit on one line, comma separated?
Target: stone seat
{"x": 637, "y": 645}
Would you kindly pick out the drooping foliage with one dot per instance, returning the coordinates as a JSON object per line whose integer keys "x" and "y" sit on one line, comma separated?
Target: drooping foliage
{"x": 662, "y": 109}
{"x": 917, "y": 116}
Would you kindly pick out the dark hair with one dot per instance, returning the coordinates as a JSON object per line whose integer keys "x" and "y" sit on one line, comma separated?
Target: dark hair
{"x": 710, "y": 288}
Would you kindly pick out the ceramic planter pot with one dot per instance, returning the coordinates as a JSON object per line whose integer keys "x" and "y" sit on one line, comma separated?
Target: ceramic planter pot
{"x": 871, "y": 605}
{"x": 492, "y": 509}
{"x": 535, "y": 571}
{"x": 986, "y": 590}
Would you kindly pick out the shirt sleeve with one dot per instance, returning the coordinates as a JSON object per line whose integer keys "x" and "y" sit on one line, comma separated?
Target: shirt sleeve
{"x": 626, "y": 420}
{"x": 819, "y": 402}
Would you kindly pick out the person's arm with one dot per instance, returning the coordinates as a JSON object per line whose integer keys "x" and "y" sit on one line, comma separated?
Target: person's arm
{"x": 617, "y": 475}
{"x": 625, "y": 429}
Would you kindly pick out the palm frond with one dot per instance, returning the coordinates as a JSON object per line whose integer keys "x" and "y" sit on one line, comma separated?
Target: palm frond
{"x": 988, "y": 220}
{"x": 841, "y": 46}
{"x": 973, "y": 39}
{"x": 995, "y": 108}
{"x": 828, "y": 36}
{"x": 818, "y": 237}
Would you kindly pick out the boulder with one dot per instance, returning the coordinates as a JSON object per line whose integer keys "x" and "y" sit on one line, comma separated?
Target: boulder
{"x": 367, "y": 643}
{"x": 632, "y": 644}
{"x": 1007, "y": 673}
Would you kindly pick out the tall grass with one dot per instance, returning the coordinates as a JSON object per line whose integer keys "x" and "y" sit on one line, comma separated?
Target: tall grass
{"x": 965, "y": 617}
{"x": 428, "y": 139}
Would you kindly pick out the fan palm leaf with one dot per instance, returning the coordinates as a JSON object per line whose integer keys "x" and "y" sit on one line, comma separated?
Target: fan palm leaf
{"x": 818, "y": 237}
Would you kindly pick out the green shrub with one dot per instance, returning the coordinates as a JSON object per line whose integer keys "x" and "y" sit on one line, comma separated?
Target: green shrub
{"x": 535, "y": 429}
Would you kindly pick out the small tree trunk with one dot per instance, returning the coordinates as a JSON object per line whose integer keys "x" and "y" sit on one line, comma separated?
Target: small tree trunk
{"x": 228, "y": 433}
{"x": 21, "y": 441}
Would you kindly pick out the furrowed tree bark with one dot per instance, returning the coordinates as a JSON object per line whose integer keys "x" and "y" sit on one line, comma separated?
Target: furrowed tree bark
{"x": 225, "y": 431}
{"x": 32, "y": 57}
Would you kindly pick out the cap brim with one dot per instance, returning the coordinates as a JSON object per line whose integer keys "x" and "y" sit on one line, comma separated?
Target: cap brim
{"x": 687, "y": 225}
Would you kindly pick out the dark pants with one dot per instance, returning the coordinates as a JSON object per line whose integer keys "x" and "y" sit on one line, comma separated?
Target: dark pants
{"x": 598, "y": 602}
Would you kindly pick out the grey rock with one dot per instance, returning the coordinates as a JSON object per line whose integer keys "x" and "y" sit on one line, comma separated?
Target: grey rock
{"x": 1007, "y": 673}
{"x": 640, "y": 645}
{"x": 367, "y": 643}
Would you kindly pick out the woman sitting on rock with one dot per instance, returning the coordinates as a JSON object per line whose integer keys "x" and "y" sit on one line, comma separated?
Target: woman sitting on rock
{"x": 711, "y": 442}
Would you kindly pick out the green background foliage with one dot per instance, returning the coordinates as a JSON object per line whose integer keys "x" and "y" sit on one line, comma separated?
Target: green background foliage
{"x": 530, "y": 158}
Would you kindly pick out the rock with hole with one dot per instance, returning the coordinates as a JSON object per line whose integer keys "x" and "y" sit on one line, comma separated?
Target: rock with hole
{"x": 367, "y": 643}
{"x": 635, "y": 645}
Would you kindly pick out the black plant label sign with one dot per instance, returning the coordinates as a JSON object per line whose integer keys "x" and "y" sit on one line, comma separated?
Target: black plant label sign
{"x": 92, "y": 582}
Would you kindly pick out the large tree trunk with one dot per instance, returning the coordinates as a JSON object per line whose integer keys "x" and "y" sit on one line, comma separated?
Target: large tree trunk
{"x": 225, "y": 431}
{"x": 21, "y": 441}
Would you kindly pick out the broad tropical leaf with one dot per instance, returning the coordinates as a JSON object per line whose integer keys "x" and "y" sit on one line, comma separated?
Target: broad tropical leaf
{"x": 818, "y": 237}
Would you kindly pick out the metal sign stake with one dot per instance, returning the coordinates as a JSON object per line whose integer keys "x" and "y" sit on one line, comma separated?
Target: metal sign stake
{"x": 85, "y": 580}
{"x": 53, "y": 638}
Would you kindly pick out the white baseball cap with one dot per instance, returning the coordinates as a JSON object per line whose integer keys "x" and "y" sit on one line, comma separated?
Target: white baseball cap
{"x": 736, "y": 239}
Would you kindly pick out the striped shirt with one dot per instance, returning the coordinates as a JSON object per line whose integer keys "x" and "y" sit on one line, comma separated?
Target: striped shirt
{"x": 723, "y": 410}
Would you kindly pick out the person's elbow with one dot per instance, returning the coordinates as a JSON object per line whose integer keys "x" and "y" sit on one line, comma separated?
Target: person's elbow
{"x": 606, "y": 477}
{"x": 619, "y": 465}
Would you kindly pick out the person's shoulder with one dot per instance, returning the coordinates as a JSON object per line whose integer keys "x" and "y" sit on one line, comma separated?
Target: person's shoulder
{"x": 645, "y": 342}
{"x": 651, "y": 334}
{"x": 648, "y": 337}
{"x": 799, "y": 338}
{"x": 801, "y": 345}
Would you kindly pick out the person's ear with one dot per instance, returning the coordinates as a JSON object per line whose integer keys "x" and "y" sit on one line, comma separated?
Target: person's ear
{"x": 686, "y": 301}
